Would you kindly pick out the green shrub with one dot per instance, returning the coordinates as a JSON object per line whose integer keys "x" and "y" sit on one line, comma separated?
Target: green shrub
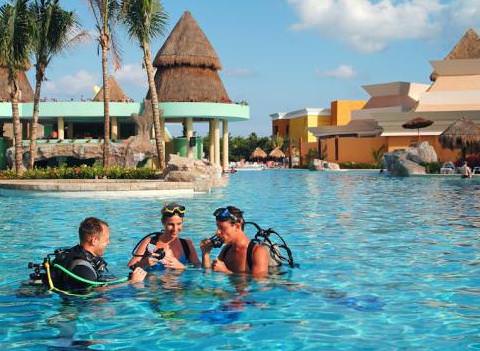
{"x": 432, "y": 167}
{"x": 83, "y": 172}
{"x": 358, "y": 165}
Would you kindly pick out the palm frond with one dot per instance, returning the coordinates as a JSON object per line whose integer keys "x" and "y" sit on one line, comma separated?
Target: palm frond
{"x": 144, "y": 19}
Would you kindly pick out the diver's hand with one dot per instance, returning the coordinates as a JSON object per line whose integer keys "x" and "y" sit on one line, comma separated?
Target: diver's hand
{"x": 219, "y": 266}
{"x": 137, "y": 276}
{"x": 206, "y": 246}
{"x": 170, "y": 261}
{"x": 151, "y": 260}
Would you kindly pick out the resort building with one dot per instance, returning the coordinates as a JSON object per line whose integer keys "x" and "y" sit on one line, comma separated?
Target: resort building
{"x": 378, "y": 124}
{"x": 188, "y": 86}
{"x": 296, "y": 125}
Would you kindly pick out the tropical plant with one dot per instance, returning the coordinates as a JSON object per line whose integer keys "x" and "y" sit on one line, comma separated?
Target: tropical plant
{"x": 145, "y": 20}
{"x": 106, "y": 13}
{"x": 15, "y": 49}
{"x": 377, "y": 155}
{"x": 54, "y": 30}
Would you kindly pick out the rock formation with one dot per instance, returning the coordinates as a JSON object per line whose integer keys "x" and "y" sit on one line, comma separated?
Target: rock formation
{"x": 202, "y": 173}
{"x": 403, "y": 163}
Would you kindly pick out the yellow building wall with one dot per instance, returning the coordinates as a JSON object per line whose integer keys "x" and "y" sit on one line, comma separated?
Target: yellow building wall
{"x": 342, "y": 111}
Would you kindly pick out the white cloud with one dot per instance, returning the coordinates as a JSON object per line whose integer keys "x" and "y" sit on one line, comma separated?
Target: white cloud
{"x": 341, "y": 72}
{"x": 240, "y": 72}
{"x": 81, "y": 82}
{"x": 132, "y": 74}
{"x": 369, "y": 25}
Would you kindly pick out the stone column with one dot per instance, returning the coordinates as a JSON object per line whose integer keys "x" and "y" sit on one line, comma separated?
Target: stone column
{"x": 61, "y": 128}
{"x": 70, "y": 130}
{"x": 114, "y": 128}
{"x": 216, "y": 132}
{"x": 225, "y": 145}
{"x": 211, "y": 143}
{"x": 189, "y": 134}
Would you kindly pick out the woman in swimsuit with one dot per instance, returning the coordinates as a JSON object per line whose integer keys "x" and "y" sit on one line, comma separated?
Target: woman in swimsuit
{"x": 178, "y": 251}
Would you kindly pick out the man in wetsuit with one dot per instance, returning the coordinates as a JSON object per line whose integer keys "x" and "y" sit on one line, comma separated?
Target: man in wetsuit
{"x": 85, "y": 260}
{"x": 234, "y": 257}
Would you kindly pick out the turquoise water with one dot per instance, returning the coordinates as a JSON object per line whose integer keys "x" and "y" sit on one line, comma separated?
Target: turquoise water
{"x": 385, "y": 264}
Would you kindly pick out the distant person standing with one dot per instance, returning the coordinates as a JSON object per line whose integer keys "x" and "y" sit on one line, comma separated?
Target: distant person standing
{"x": 466, "y": 171}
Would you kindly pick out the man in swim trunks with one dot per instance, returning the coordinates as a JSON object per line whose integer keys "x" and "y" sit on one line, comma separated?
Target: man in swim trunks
{"x": 234, "y": 256}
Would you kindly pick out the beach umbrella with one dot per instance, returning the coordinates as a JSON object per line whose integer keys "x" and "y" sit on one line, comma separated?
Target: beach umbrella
{"x": 462, "y": 134}
{"x": 258, "y": 153}
{"x": 277, "y": 153}
{"x": 417, "y": 123}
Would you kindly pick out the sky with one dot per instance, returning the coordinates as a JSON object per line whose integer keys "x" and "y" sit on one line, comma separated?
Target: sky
{"x": 285, "y": 55}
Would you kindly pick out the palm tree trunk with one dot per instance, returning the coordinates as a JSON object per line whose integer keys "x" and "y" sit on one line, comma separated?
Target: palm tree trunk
{"x": 17, "y": 128}
{"x": 157, "y": 122}
{"x": 36, "y": 111}
{"x": 106, "y": 108}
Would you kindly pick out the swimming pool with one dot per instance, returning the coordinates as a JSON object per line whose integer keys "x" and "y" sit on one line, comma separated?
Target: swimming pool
{"x": 386, "y": 263}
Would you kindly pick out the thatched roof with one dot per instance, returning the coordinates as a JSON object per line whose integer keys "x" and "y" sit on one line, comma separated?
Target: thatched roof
{"x": 277, "y": 153}
{"x": 187, "y": 66}
{"x": 26, "y": 91}
{"x": 189, "y": 84}
{"x": 187, "y": 45}
{"x": 461, "y": 134}
{"x": 116, "y": 93}
{"x": 258, "y": 153}
{"x": 417, "y": 123}
{"x": 468, "y": 47}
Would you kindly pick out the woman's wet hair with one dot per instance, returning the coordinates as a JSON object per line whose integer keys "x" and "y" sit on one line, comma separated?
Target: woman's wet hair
{"x": 91, "y": 227}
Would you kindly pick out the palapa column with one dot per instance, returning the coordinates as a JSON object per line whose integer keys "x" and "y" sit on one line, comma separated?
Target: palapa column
{"x": 216, "y": 132}
{"x": 211, "y": 142}
{"x": 61, "y": 128}
{"x": 189, "y": 134}
{"x": 114, "y": 128}
{"x": 225, "y": 145}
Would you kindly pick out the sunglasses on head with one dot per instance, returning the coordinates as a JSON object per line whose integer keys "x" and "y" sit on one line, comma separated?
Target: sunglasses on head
{"x": 223, "y": 214}
{"x": 173, "y": 210}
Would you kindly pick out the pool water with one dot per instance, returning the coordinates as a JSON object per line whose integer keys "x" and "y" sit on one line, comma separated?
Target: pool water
{"x": 385, "y": 263}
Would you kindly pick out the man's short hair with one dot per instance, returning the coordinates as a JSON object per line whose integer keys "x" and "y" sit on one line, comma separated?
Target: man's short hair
{"x": 91, "y": 227}
{"x": 238, "y": 214}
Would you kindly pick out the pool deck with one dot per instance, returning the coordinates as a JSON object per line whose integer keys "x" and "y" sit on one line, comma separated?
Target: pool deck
{"x": 98, "y": 185}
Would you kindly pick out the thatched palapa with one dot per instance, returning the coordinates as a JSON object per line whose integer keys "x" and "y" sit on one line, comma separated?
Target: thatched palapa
{"x": 258, "y": 153}
{"x": 116, "y": 92}
{"x": 462, "y": 134}
{"x": 187, "y": 66}
{"x": 277, "y": 153}
{"x": 26, "y": 91}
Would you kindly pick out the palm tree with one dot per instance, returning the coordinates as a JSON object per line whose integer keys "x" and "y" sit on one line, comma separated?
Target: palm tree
{"x": 145, "y": 20}
{"x": 106, "y": 17}
{"x": 54, "y": 31}
{"x": 15, "y": 49}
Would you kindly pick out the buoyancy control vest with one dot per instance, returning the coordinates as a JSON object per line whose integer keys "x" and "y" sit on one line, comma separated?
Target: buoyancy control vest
{"x": 73, "y": 258}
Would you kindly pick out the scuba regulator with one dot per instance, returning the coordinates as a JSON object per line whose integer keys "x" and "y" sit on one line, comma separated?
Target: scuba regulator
{"x": 216, "y": 241}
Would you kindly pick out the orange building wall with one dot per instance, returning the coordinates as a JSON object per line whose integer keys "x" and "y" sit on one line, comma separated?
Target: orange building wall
{"x": 353, "y": 149}
{"x": 282, "y": 125}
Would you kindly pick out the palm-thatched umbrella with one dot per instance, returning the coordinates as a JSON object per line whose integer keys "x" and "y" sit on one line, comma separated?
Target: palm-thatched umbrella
{"x": 187, "y": 66}
{"x": 258, "y": 154}
{"x": 417, "y": 123}
{"x": 277, "y": 153}
{"x": 462, "y": 134}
